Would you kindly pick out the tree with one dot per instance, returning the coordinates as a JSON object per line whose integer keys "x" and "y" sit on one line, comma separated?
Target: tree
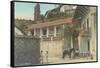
{"x": 68, "y": 33}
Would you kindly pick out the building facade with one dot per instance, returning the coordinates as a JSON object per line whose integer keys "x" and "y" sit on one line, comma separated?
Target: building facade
{"x": 52, "y": 37}
{"x": 87, "y": 31}
{"x": 51, "y": 33}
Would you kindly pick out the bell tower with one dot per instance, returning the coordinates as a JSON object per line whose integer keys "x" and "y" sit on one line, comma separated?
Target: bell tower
{"x": 37, "y": 12}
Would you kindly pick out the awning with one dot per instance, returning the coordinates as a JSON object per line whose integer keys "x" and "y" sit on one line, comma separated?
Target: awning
{"x": 53, "y": 23}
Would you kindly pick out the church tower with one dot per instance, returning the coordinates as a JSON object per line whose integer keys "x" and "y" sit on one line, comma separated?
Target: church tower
{"x": 37, "y": 12}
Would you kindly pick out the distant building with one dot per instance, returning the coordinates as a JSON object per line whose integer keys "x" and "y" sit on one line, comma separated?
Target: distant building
{"x": 18, "y": 32}
{"x": 62, "y": 11}
{"x": 21, "y": 26}
{"x": 68, "y": 9}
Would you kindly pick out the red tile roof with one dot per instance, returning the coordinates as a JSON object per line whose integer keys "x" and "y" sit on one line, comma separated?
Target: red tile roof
{"x": 52, "y": 23}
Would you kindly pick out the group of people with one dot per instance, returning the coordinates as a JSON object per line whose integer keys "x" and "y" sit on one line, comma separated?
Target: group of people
{"x": 72, "y": 53}
{"x": 44, "y": 58}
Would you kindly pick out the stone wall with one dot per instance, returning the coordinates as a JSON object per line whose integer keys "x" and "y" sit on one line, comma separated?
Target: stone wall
{"x": 27, "y": 51}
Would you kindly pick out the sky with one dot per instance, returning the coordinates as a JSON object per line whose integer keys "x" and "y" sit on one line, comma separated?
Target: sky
{"x": 25, "y": 10}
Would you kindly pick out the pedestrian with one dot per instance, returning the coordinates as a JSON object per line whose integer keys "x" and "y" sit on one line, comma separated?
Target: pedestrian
{"x": 41, "y": 57}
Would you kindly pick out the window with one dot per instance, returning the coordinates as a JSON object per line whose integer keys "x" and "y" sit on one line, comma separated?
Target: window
{"x": 51, "y": 30}
{"x": 44, "y": 31}
{"x": 87, "y": 23}
{"x": 84, "y": 25}
{"x": 32, "y": 33}
{"x": 94, "y": 21}
{"x": 88, "y": 45}
{"x": 59, "y": 29}
{"x": 37, "y": 32}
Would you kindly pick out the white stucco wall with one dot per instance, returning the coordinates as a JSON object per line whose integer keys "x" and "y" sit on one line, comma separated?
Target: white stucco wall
{"x": 83, "y": 41}
{"x": 54, "y": 48}
{"x": 18, "y": 32}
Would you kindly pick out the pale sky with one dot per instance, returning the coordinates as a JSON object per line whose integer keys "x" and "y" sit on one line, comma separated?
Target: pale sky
{"x": 24, "y": 10}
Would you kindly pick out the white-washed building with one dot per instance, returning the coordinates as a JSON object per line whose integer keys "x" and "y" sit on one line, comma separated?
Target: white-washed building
{"x": 18, "y": 32}
{"x": 51, "y": 33}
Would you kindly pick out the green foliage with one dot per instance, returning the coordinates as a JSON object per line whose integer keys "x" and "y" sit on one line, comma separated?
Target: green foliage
{"x": 68, "y": 33}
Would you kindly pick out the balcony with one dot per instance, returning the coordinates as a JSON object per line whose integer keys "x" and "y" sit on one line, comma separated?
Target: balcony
{"x": 85, "y": 32}
{"x": 58, "y": 36}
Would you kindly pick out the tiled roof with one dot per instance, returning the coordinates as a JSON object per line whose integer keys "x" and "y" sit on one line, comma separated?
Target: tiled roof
{"x": 52, "y": 23}
{"x": 22, "y": 24}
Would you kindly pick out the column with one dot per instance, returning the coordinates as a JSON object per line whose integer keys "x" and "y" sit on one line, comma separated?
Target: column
{"x": 71, "y": 42}
{"x": 41, "y": 33}
{"x": 63, "y": 26}
{"x": 34, "y": 32}
{"x": 47, "y": 31}
{"x": 55, "y": 31}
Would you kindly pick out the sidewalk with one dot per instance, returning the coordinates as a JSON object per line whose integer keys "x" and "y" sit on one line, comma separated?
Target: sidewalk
{"x": 55, "y": 60}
